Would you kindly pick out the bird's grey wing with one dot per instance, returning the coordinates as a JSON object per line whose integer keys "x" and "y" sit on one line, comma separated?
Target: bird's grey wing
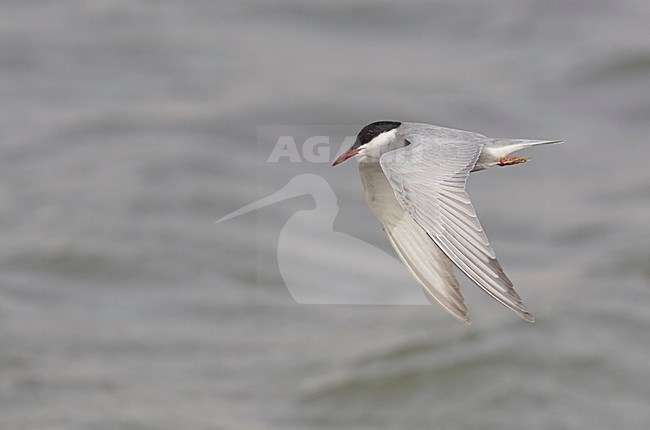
{"x": 425, "y": 261}
{"x": 428, "y": 178}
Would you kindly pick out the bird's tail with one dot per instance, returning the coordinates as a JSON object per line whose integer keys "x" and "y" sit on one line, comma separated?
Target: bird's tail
{"x": 504, "y": 147}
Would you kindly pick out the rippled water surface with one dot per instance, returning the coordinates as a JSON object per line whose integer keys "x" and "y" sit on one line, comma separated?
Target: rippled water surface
{"x": 128, "y": 127}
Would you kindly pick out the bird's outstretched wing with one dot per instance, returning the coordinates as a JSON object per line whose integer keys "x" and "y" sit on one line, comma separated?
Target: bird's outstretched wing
{"x": 428, "y": 178}
{"x": 424, "y": 260}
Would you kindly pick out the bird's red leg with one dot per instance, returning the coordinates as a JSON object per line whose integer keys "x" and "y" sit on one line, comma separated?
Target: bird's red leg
{"x": 509, "y": 161}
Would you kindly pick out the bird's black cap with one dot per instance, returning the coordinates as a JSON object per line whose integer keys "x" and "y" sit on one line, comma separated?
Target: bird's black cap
{"x": 373, "y": 130}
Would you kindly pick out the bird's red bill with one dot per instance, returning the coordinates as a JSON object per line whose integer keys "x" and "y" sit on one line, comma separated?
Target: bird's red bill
{"x": 347, "y": 154}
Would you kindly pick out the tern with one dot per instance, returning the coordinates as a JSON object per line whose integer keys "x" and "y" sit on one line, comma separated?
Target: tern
{"x": 414, "y": 177}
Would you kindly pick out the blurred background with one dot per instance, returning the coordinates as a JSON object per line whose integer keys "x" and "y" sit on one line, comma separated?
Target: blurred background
{"x": 128, "y": 127}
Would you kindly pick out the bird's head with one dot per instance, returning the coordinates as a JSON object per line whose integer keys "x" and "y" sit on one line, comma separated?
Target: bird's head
{"x": 372, "y": 140}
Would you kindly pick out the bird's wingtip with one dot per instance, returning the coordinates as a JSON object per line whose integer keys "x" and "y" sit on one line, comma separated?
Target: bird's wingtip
{"x": 464, "y": 319}
{"x": 528, "y": 317}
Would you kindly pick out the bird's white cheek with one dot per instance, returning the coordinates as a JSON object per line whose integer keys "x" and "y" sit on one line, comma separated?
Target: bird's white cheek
{"x": 370, "y": 152}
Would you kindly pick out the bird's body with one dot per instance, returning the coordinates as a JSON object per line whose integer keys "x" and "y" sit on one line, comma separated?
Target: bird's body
{"x": 414, "y": 179}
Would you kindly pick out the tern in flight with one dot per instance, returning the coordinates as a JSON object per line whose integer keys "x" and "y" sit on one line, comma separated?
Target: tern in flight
{"x": 414, "y": 178}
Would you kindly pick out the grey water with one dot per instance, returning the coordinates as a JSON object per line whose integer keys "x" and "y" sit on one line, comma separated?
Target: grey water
{"x": 128, "y": 127}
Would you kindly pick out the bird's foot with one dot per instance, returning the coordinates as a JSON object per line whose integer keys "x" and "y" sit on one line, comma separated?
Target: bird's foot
{"x": 509, "y": 161}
